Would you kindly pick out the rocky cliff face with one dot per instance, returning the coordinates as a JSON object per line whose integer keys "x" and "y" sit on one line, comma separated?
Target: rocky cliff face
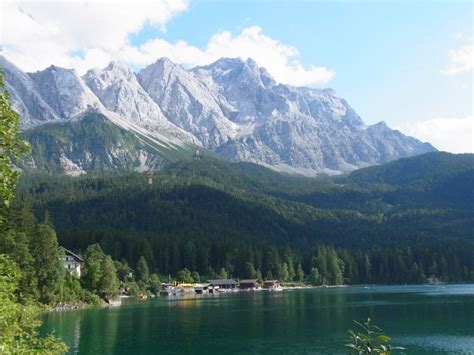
{"x": 232, "y": 107}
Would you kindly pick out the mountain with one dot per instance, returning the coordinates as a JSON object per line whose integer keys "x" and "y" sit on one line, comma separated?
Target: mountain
{"x": 438, "y": 178}
{"x": 118, "y": 90}
{"x": 232, "y": 107}
{"x": 187, "y": 102}
{"x": 25, "y": 96}
{"x": 419, "y": 171}
{"x": 94, "y": 144}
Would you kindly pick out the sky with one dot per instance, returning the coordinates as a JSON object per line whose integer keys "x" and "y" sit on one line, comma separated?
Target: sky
{"x": 408, "y": 63}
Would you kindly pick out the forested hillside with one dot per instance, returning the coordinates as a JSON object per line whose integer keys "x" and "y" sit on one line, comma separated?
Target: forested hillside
{"x": 210, "y": 216}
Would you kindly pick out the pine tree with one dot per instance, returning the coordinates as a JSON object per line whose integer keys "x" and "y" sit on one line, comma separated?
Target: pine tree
{"x": 299, "y": 273}
{"x": 333, "y": 270}
{"x": 155, "y": 284}
{"x": 142, "y": 271}
{"x": 92, "y": 271}
{"x": 315, "y": 277}
{"x": 108, "y": 283}
{"x": 283, "y": 274}
{"x": 184, "y": 275}
{"x": 367, "y": 269}
{"x": 195, "y": 276}
{"x": 222, "y": 274}
{"x": 47, "y": 263}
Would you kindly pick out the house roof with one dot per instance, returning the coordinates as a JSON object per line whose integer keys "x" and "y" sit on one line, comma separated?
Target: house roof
{"x": 67, "y": 251}
{"x": 222, "y": 282}
{"x": 249, "y": 281}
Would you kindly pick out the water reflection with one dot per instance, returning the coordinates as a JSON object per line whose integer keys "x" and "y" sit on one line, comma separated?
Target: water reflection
{"x": 301, "y": 321}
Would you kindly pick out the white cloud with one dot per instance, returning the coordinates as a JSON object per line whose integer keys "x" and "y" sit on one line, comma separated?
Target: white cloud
{"x": 275, "y": 56}
{"x": 461, "y": 60}
{"x": 454, "y": 135}
{"x": 83, "y": 35}
{"x": 37, "y": 33}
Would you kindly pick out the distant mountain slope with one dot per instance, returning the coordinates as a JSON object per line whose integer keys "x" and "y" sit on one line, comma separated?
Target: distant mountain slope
{"x": 95, "y": 144}
{"x": 231, "y": 107}
{"x": 211, "y": 199}
{"x": 421, "y": 170}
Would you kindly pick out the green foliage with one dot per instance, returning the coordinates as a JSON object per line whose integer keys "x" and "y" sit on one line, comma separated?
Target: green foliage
{"x": 184, "y": 275}
{"x": 142, "y": 271}
{"x": 15, "y": 242}
{"x": 155, "y": 284}
{"x": 99, "y": 274}
{"x": 315, "y": 277}
{"x": 91, "y": 141}
{"x": 92, "y": 271}
{"x": 108, "y": 282}
{"x": 210, "y": 215}
{"x": 18, "y": 321}
{"x": 123, "y": 270}
{"x": 133, "y": 289}
{"x": 47, "y": 263}
{"x": 370, "y": 340}
{"x": 223, "y": 274}
{"x": 12, "y": 147}
{"x": 299, "y": 273}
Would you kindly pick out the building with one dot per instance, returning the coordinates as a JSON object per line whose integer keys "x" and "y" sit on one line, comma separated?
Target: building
{"x": 249, "y": 284}
{"x": 272, "y": 285}
{"x": 223, "y": 284}
{"x": 72, "y": 262}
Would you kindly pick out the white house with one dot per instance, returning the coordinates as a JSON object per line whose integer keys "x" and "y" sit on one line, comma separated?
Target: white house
{"x": 72, "y": 262}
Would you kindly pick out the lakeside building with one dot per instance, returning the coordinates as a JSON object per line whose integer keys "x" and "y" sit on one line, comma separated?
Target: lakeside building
{"x": 249, "y": 284}
{"x": 72, "y": 262}
{"x": 272, "y": 285}
{"x": 225, "y": 284}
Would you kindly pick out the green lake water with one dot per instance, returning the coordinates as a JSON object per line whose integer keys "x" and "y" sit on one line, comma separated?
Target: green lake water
{"x": 424, "y": 319}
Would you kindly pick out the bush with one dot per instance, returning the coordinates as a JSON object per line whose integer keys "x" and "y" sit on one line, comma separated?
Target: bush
{"x": 370, "y": 341}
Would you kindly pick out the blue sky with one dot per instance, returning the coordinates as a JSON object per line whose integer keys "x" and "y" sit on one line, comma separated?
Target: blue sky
{"x": 408, "y": 63}
{"x": 387, "y": 56}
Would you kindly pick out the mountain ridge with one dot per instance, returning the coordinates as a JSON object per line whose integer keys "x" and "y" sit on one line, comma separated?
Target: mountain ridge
{"x": 232, "y": 107}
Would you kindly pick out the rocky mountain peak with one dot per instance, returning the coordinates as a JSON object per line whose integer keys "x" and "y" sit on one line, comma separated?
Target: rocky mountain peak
{"x": 63, "y": 90}
{"x": 231, "y": 106}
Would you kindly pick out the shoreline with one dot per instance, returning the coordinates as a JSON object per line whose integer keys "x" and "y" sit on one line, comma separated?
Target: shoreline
{"x": 64, "y": 307}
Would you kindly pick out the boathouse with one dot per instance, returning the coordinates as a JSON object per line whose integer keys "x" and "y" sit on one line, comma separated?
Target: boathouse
{"x": 271, "y": 284}
{"x": 226, "y": 284}
{"x": 249, "y": 284}
{"x": 72, "y": 262}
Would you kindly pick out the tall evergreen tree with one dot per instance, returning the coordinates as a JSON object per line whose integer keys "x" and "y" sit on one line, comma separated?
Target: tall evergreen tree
{"x": 108, "y": 283}
{"x": 299, "y": 273}
{"x": 47, "y": 262}
{"x": 142, "y": 271}
{"x": 315, "y": 277}
{"x": 92, "y": 271}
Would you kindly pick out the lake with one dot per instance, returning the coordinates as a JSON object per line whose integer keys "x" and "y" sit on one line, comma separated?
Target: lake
{"x": 435, "y": 319}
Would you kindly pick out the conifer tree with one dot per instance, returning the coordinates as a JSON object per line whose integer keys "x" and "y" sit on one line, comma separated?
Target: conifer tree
{"x": 108, "y": 282}
{"x": 92, "y": 271}
{"x": 47, "y": 262}
{"x": 142, "y": 271}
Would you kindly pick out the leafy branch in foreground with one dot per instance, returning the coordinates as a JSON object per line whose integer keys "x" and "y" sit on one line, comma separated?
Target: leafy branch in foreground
{"x": 370, "y": 340}
{"x": 19, "y": 322}
{"x": 12, "y": 147}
